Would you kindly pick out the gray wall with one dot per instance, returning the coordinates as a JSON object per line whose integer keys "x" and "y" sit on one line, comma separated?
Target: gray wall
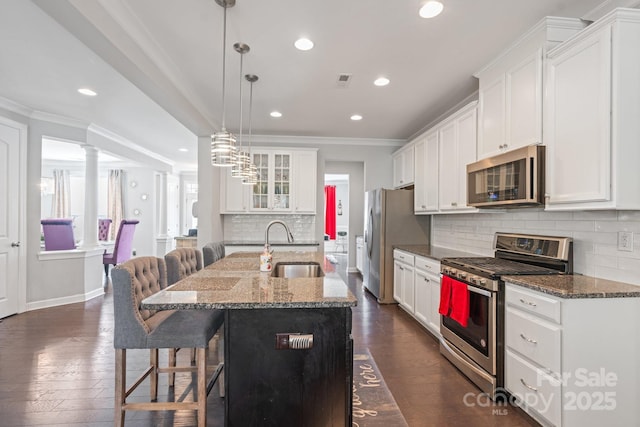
{"x": 355, "y": 170}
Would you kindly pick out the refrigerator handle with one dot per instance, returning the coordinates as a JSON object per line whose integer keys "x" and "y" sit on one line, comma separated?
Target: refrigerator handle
{"x": 368, "y": 237}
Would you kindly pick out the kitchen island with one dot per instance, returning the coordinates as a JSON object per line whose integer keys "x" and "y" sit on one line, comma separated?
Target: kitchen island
{"x": 265, "y": 383}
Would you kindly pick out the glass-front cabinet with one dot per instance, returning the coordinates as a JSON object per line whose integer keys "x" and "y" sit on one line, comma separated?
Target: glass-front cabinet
{"x": 273, "y": 189}
{"x": 286, "y": 184}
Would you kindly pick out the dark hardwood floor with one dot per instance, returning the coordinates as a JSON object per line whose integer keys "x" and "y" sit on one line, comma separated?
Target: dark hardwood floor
{"x": 56, "y": 369}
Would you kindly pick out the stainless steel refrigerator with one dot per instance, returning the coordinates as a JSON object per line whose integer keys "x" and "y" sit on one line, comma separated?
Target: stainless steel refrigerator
{"x": 389, "y": 221}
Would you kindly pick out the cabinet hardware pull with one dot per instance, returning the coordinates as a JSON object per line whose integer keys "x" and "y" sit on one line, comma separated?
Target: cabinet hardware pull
{"x": 528, "y": 386}
{"x": 15, "y": 244}
{"x": 532, "y": 304}
{"x": 454, "y": 203}
{"x": 532, "y": 341}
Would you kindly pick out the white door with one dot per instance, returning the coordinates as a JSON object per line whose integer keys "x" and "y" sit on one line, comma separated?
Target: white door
{"x": 9, "y": 218}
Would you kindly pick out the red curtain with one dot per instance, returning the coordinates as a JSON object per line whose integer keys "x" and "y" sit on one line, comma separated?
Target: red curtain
{"x": 330, "y": 211}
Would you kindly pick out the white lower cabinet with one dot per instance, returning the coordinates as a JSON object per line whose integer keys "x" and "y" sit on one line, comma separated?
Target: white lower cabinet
{"x": 427, "y": 283}
{"x": 536, "y": 389}
{"x": 573, "y": 361}
{"x": 403, "y": 285}
{"x": 417, "y": 288}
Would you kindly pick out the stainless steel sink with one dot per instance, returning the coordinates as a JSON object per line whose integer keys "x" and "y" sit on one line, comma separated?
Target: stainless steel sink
{"x": 297, "y": 269}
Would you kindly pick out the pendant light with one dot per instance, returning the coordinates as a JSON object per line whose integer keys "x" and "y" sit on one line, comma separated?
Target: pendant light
{"x": 223, "y": 142}
{"x": 242, "y": 157}
{"x": 251, "y": 170}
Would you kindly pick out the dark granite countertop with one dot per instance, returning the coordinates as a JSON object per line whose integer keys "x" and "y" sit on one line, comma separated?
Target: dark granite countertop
{"x": 236, "y": 282}
{"x": 434, "y": 252}
{"x": 576, "y": 286}
{"x": 261, "y": 243}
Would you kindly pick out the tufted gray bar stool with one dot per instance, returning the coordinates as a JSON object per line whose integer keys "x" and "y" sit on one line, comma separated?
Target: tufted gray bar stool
{"x": 136, "y": 328}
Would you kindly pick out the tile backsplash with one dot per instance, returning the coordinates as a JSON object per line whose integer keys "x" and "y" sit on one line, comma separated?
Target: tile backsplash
{"x": 594, "y": 233}
{"x": 250, "y": 228}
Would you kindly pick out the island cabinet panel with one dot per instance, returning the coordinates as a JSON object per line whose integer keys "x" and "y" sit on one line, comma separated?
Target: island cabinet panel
{"x": 266, "y": 386}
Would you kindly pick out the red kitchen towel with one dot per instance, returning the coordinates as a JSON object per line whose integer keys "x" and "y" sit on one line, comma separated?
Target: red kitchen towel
{"x": 459, "y": 302}
{"x": 445, "y": 295}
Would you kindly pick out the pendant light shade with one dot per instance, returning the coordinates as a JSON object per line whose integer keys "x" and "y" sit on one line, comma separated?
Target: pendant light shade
{"x": 223, "y": 143}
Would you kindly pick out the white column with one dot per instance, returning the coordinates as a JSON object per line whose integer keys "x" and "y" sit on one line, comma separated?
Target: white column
{"x": 90, "y": 239}
{"x": 162, "y": 240}
{"x": 162, "y": 206}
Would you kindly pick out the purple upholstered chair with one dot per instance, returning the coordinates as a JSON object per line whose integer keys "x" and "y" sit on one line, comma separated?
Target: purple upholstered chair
{"x": 103, "y": 229}
{"x": 123, "y": 246}
{"x": 58, "y": 234}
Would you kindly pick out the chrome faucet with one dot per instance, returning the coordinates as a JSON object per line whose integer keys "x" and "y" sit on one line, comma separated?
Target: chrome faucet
{"x": 277, "y": 221}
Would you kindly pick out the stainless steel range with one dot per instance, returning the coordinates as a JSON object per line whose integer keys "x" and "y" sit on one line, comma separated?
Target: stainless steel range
{"x": 477, "y": 348}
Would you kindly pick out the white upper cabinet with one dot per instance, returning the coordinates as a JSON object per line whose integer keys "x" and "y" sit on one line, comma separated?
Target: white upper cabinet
{"x": 305, "y": 176}
{"x": 425, "y": 193}
{"x": 419, "y": 188}
{"x": 592, "y": 117}
{"x": 457, "y": 148}
{"x": 286, "y": 184}
{"x": 234, "y": 195}
{"x": 403, "y": 166}
{"x": 510, "y": 89}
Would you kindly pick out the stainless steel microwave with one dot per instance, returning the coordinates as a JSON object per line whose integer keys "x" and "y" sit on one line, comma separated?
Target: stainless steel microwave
{"x": 512, "y": 179}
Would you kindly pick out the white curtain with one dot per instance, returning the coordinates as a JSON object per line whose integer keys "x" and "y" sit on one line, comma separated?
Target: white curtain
{"x": 61, "y": 205}
{"x": 115, "y": 200}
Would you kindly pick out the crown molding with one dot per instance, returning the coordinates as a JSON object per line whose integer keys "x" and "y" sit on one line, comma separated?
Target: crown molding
{"x": 317, "y": 141}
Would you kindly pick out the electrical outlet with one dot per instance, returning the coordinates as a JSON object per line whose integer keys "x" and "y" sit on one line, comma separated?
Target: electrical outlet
{"x": 625, "y": 241}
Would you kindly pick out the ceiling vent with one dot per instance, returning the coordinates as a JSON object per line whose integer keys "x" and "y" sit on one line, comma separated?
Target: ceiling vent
{"x": 344, "y": 79}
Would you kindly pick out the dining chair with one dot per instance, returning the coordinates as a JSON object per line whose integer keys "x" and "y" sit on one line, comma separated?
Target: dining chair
{"x": 123, "y": 246}
{"x": 137, "y": 328}
{"x": 104, "y": 224}
{"x": 212, "y": 252}
{"x": 58, "y": 234}
{"x": 181, "y": 263}
{"x": 341, "y": 240}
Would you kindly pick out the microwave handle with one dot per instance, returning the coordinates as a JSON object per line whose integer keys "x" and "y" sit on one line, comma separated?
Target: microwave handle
{"x": 479, "y": 291}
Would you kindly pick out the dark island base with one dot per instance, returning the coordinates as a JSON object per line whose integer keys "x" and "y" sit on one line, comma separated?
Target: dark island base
{"x": 269, "y": 387}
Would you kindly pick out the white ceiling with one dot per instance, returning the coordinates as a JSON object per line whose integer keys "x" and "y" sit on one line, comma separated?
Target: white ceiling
{"x": 156, "y": 64}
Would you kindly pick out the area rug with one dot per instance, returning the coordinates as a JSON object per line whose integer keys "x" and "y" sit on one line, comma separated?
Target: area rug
{"x": 373, "y": 403}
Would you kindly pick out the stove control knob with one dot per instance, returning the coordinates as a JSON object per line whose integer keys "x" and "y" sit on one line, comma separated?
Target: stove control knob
{"x": 462, "y": 275}
{"x": 483, "y": 281}
{"x": 453, "y": 271}
{"x": 473, "y": 279}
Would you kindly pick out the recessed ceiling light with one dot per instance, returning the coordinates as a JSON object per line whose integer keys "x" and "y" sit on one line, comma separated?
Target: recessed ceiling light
{"x": 356, "y": 117}
{"x": 303, "y": 44}
{"x": 87, "y": 91}
{"x": 381, "y": 81}
{"x": 276, "y": 114}
{"x": 184, "y": 150}
{"x": 431, "y": 9}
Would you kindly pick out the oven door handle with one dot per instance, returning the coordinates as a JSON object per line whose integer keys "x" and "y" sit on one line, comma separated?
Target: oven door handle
{"x": 479, "y": 291}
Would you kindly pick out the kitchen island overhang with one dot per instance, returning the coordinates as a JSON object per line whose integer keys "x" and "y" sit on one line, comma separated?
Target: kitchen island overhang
{"x": 285, "y": 387}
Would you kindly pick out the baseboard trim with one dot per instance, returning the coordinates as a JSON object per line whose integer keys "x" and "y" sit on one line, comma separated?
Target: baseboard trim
{"x": 71, "y": 299}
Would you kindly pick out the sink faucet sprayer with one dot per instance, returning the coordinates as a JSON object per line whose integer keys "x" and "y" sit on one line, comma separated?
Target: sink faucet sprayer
{"x": 277, "y": 221}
